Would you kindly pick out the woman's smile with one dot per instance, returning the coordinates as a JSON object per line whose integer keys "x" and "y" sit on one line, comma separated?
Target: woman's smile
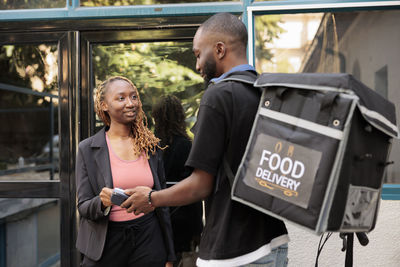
{"x": 130, "y": 113}
{"x": 121, "y": 102}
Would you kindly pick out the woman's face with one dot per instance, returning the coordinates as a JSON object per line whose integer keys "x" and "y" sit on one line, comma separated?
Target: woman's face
{"x": 121, "y": 102}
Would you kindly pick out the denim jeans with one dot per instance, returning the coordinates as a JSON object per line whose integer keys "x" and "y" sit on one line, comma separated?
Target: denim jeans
{"x": 277, "y": 258}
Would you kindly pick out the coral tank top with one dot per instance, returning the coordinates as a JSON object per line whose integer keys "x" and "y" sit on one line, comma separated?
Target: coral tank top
{"x": 128, "y": 174}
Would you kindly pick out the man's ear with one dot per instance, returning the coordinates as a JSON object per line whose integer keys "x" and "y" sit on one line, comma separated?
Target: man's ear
{"x": 220, "y": 50}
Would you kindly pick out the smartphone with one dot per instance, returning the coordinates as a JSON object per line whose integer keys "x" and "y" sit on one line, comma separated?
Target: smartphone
{"x": 118, "y": 196}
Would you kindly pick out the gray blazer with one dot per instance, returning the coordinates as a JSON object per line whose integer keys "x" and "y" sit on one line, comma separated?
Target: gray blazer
{"x": 93, "y": 172}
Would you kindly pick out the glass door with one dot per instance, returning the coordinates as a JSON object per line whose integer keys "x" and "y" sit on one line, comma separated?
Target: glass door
{"x": 35, "y": 145}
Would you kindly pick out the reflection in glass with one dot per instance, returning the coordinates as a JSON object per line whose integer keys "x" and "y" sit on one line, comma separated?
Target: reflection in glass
{"x": 157, "y": 69}
{"x": 31, "y": 4}
{"x": 29, "y": 112}
{"x": 282, "y": 40}
{"x": 141, "y": 2}
{"x": 365, "y": 44}
{"x": 30, "y": 232}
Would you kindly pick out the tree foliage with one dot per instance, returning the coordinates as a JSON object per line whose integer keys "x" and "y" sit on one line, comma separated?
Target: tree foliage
{"x": 28, "y": 4}
{"x": 28, "y": 66}
{"x": 266, "y": 30}
{"x": 26, "y": 117}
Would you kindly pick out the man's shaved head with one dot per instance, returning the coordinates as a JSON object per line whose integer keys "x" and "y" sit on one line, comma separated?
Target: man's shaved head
{"x": 227, "y": 27}
{"x": 219, "y": 45}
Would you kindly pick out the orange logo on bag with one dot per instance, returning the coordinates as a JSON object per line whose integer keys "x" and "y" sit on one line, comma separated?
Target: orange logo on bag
{"x": 273, "y": 186}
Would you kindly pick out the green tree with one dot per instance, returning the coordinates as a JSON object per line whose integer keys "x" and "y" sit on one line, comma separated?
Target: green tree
{"x": 266, "y": 30}
{"x": 26, "y": 116}
{"x": 27, "y": 4}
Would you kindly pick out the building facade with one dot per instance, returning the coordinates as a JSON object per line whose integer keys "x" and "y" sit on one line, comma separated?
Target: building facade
{"x": 54, "y": 53}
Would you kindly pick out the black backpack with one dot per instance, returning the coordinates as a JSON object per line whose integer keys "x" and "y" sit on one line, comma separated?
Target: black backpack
{"x": 317, "y": 152}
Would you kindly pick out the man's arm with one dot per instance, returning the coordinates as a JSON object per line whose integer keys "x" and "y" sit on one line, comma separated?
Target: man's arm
{"x": 192, "y": 189}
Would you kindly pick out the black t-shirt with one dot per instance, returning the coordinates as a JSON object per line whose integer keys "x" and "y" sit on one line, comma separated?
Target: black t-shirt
{"x": 224, "y": 122}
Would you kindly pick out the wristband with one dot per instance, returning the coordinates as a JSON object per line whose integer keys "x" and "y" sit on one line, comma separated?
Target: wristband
{"x": 149, "y": 197}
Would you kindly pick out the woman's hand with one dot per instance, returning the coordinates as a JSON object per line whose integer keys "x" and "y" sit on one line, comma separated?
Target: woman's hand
{"x": 169, "y": 264}
{"x": 105, "y": 196}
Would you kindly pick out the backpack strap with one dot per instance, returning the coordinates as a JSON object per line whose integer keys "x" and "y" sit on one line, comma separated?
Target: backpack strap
{"x": 246, "y": 79}
{"x": 243, "y": 78}
{"x": 228, "y": 170}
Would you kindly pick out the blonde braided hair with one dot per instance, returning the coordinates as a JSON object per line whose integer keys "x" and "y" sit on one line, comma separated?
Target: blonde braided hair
{"x": 143, "y": 139}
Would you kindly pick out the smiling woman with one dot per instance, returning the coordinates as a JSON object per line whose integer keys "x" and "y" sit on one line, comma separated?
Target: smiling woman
{"x": 124, "y": 154}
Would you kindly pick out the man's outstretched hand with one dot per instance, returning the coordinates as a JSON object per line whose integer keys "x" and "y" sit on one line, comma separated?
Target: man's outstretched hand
{"x": 138, "y": 202}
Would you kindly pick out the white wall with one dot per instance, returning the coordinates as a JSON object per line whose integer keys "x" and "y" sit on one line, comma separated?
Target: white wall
{"x": 383, "y": 249}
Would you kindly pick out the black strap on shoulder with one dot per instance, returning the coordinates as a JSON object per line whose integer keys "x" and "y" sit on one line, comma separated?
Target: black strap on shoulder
{"x": 228, "y": 170}
{"x": 240, "y": 77}
{"x": 246, "y": 79}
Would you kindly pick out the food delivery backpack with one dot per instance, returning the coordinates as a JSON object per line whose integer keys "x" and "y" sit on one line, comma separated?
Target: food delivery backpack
{"x": 317, "y": 152}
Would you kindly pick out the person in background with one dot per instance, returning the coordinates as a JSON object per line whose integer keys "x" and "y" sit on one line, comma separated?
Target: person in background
{"x": 170, "y": 127}
{"x": 124, "y": 154}
{"x": 234, "y": 234}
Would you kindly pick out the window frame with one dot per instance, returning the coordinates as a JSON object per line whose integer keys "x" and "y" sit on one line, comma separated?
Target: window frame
{"x": 73, "y": 10}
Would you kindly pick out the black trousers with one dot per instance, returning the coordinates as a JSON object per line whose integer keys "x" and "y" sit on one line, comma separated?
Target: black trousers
{"x": 136, "y": 243}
